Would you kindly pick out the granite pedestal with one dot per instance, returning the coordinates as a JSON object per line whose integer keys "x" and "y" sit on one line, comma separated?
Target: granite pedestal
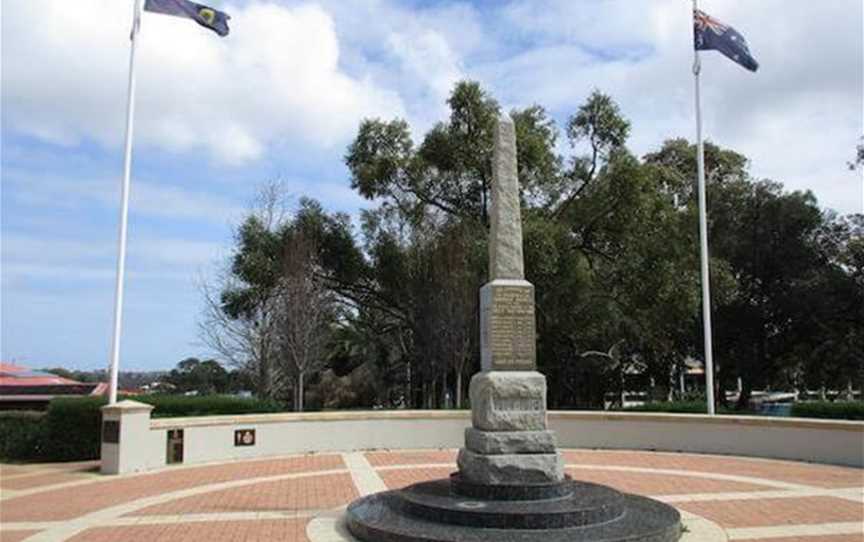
{"x": 570, "y": 511}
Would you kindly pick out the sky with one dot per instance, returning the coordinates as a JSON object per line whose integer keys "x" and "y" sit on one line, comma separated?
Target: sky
{"x": 283, "y": 95}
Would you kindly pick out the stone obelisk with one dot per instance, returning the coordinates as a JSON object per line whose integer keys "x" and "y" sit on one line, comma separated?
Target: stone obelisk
{"x": 508, "y": 443}
{"x": 511, "y": 484}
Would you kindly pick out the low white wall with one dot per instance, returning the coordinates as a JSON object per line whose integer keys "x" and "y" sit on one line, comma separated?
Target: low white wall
{"x": 212, "y": 438}
{"x": 819, "y": 441}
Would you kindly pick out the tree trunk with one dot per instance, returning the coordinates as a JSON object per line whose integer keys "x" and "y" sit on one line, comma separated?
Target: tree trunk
{"x": 265, "y": 383}
{"x": 298, "y": 394}
{"x": 459, "y": 390}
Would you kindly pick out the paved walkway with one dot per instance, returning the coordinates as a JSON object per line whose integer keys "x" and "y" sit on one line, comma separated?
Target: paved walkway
{"x": 299, "y": 498}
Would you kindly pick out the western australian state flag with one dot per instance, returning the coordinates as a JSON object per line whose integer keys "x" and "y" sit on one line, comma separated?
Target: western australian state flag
{"x": 215, "y": 20}
{"x": 709, "y": 33}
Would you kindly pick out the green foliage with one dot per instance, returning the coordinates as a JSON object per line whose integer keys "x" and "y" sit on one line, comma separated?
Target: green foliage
{"x": 680, "y": 407}
{"x": 204, "y": 377}
{"x": 21, "y": 435}
{"x": 610, "y": 244}
{"x": 838, "y": 410}
{"x": 173, "y": 406}
{"x": 72, "y": 428}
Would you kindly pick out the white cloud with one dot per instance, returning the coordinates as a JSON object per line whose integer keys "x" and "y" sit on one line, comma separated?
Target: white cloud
{"x": 275, "y": 80}
{"x": 798, "y": 118}
{"x": 147, "y": 198}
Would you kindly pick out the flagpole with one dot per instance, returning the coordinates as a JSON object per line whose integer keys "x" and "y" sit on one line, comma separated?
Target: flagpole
{"x": 703, "y": 235}
{"x": 124, "y": 207}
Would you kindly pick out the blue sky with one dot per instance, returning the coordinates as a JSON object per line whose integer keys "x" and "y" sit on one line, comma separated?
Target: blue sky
{"x": 281, "y": 97}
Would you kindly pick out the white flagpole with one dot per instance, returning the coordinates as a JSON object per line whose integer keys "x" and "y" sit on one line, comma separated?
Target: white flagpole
{"x": 124, "y": 206}
{"x": 703, "y": 237}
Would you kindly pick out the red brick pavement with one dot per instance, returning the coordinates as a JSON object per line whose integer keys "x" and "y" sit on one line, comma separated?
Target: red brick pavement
{"x": 786, "y": 471}
{"x": 660, "y": 484}
{"x": 777, "y": 512}
{"x": 39, "y": 480}
{"x": 823, "y": 538}
{"x": 386, "y": 459}
{"x": 397, "y": 478}
{"x": 284, "y": 530}
{"x": 57, "y": 504}
{"x": 324, "y": 491}
{"x": 14, "y": 536}
{"x": 306, "y": 493}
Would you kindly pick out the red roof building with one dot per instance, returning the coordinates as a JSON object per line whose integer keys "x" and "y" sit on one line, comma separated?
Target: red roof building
{"x": 22, "y": 388}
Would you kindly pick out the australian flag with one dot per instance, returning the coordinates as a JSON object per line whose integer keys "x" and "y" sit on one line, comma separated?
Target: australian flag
{"x": 709, "y": 33}
{"x": 215, "y": 20}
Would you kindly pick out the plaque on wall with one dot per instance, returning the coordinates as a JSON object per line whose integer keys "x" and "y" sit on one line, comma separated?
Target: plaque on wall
{"x": 111, "y": 431}
{"x": 244, "y": 437}
{"x": 174, "y": 449}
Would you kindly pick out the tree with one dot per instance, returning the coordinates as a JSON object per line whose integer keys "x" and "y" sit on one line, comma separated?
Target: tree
{"x": 202, "y": 377}
{"x": 305, "y": 313}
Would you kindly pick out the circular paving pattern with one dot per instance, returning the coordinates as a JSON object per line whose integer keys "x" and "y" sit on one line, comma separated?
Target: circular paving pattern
{"x": 301, "y": 498}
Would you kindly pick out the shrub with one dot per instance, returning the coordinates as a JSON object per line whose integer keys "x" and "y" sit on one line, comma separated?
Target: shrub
{"x": 838, "y": 410}
{"x": 72, "y": 428}
{"x": 172, "y": 406}
{"x": 682, "y": 407}
{"x": 21, "y": 435}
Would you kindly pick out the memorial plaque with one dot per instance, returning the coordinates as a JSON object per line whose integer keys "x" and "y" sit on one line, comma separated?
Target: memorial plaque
{"x": 244, "y": 437}
{"x": 174, "y": 446}
{"x": 507, "y": 332}
{"x": 111, "y": 431}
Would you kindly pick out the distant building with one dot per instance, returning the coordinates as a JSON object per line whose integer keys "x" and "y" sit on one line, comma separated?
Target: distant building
{"x": 24, "y": 389}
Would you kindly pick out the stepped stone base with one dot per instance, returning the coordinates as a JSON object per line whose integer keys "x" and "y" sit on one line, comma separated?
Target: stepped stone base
{"x": 510, "y": 442}
{"x": 434, "y": 512}
{"x": 510, "y": 468}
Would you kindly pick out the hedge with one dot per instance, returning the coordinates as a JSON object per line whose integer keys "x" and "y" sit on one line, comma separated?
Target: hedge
{"x": 71, "y": 428}
{"x": 172, "y": 406}
{"x": 838, "y": 410}
{"x": 679, "y": 407}
{"x": 20, "y": 434}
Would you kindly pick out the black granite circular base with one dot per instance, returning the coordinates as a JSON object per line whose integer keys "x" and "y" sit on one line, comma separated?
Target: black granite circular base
{"x": 432, "y": 512}
{"x": 507, "y": 492}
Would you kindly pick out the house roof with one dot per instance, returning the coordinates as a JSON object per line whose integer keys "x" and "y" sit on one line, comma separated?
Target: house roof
{"x": 16, "y": 380}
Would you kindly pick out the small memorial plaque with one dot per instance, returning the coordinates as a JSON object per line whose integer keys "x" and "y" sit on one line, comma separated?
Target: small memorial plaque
{"x": 507, "y": 333}
{"x": 174, "y": 449}
{"x": 244, "y": 437}
{"x": 111, "y": 431}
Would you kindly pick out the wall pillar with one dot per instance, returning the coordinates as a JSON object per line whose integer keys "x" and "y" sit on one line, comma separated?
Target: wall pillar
{"x": 125, "y": 437}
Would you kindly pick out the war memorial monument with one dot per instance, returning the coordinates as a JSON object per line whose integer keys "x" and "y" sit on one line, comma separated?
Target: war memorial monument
{"x": 511, "y": 484}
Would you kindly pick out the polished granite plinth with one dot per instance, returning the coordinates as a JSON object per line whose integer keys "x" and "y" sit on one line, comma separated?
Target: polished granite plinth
{"x": 453, "y": 510}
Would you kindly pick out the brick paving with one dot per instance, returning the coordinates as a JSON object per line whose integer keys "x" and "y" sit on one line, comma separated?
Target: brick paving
{"x": 280, "y": 498}
{"x": 823, "y": 538}
{"x": 293, "y": 530}
{"x": 660, "y": 484}
{"x": 773, "y": 512}
{"x": 787, "y": 471}
{"x": 56, "y": 505}
{"x": 307, "y": 493}
{"x": 14, "y": 536}
{"x": 395, "y": 479}
{"x": 426, "y": 457}
{"x": 38, "y": 480}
